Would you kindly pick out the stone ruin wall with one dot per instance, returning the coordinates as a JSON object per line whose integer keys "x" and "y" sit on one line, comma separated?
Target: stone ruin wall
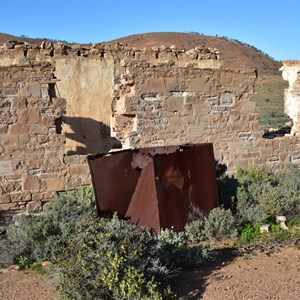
{"x": 59, "y": 103}
{"x": 291, "y": 73}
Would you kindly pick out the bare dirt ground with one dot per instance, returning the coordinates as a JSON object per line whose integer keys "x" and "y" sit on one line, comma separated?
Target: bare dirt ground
{"x": 258, "y": 273}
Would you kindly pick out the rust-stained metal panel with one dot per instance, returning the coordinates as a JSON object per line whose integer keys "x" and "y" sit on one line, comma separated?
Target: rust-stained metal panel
{"x": 185, "y": 178}
{"x": 155, "y": 187}
{"x": 143, "y": 208}
{"x": 114, "y": 181}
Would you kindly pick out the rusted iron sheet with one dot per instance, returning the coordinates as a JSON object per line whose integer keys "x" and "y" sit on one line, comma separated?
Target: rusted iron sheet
{"x": 155, "y": 187}
{"x": 114, "y": 181}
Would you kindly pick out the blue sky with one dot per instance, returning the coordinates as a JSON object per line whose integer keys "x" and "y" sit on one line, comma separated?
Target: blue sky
{"x": 270, "y": 25}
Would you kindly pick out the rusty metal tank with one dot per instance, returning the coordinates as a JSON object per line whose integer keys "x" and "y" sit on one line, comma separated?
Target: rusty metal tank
{"x": 155, "y": 187}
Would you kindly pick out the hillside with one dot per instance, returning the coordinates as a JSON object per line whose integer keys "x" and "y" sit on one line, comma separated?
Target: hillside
{"x": 235, "y": 54}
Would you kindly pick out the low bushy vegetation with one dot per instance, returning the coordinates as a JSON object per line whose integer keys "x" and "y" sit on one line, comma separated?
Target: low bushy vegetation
{"x": 98, "y": 258}
{"x": 109, "y": 258}
{"x": 43, "y": 236}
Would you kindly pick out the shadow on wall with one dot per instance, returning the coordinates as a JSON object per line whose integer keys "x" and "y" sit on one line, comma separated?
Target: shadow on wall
{"x": 87, "y": 136}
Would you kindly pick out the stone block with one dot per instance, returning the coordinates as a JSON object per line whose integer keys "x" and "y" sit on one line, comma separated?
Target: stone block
{"x": 9, "y": 143}
{"x": 55, "y": 184}
{"x": 4, "y": 198}
{"x": 199, "y": 85}
{"x": 35, "y": 206}
{"x": 3, "y": 128}
{"x": 19, "y": 102}
{"x": 273, "y": 160}
{"x": 24, "y": 91}
{"x": 38, "y": 129}
{"x": 22, "y": 116}
{"x": 34, "y": 89}
{"x": 157, "y": 85}
{"x": 172, "y": 84}
{"x": 227, "y": 99}
{"x": 74, "y": 159}
{"x": 8, "y": 206}
{"x": 201, "y": 108}
{"x": 33, "y": 116}
{"x": 248, "y": 107}
{"x": 225, "y": 78}
{"x": 175, "y": 103}
{"x": 32, "y": 183}
{"x": 284, "y": 144}
{"x": 195, "y": 130}
{"x": 18, "y": 129}
{"x": 266, "y": 151}
{"x": 59, "y": 102}
{"x": 81, "y": 170}
{"x": 6, "y": 167}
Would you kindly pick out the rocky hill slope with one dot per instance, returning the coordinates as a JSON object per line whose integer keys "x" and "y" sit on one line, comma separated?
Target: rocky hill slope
{"x": 233, "y": 53}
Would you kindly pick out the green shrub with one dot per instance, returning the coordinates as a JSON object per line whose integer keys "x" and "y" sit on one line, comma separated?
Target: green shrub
{"x": 249, "y": 232}
{"x": 111, "y": 259}
{"x": 220, "y": 225}
{"x": 175, "y": 251}
{"x": 44, "y": 236}
{"x": 268, "y": 193}
{"x": 255, "y": 215}
{"x": 195, "y": 231}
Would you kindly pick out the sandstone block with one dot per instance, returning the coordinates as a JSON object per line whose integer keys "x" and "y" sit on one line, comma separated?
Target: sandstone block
{"x": 172, "y": 84}
{"x": 19, "y": 102}
{"x": 33, "y": 116}
{"x": 225, "y": 78}
{"x": 227, "y": 99}
{"x": 34, "y": 206}
{"x": 4, "y": 198}
{"x": 295, "y": 159}
{"x": 199, "y": 85}
{"x": 6, "y": 167}
{"x": 248, "y": 107}
{"x": 3, "y": 128}
{"x": 32, "y": 183}
{"x": 59, "y": 102}
{"x": 18, "y": 129}
{"x": 273, "y": 159}
{"x": 81, "y": 170}
{"x": 24, "y": 91}
{"x": 38, "y": 129}
{"x": 175, "y": 103}
{"x": 157, "y": 85}
{"x": 34, "y": 89}
{"x": 55, "y": 184}
{"x": 284, "y": 144}
{"x": 7, "y": 206}
{"x": 195, "y": 130}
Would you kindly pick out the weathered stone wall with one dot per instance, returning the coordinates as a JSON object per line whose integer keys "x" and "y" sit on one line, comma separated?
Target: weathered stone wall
{"x": 291, "y": 73}
{"x": 165, "y": 104}
{"x": 59, "y": 103}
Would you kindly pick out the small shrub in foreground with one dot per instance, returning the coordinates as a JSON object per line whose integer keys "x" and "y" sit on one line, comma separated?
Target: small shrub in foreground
{"x": 220, "y": 225}
{"x": 111, "y": 259}
{"x": 44, "y": 236}
{"x": 249, "y": 232}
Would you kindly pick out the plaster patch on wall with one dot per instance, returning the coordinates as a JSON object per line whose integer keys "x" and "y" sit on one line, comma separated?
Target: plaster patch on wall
{"x": 87, "y": 86}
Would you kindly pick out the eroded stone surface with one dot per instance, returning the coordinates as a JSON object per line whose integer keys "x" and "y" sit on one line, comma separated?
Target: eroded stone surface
{"x": 59, "y": 102}
{"x": 291, "y": 73}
